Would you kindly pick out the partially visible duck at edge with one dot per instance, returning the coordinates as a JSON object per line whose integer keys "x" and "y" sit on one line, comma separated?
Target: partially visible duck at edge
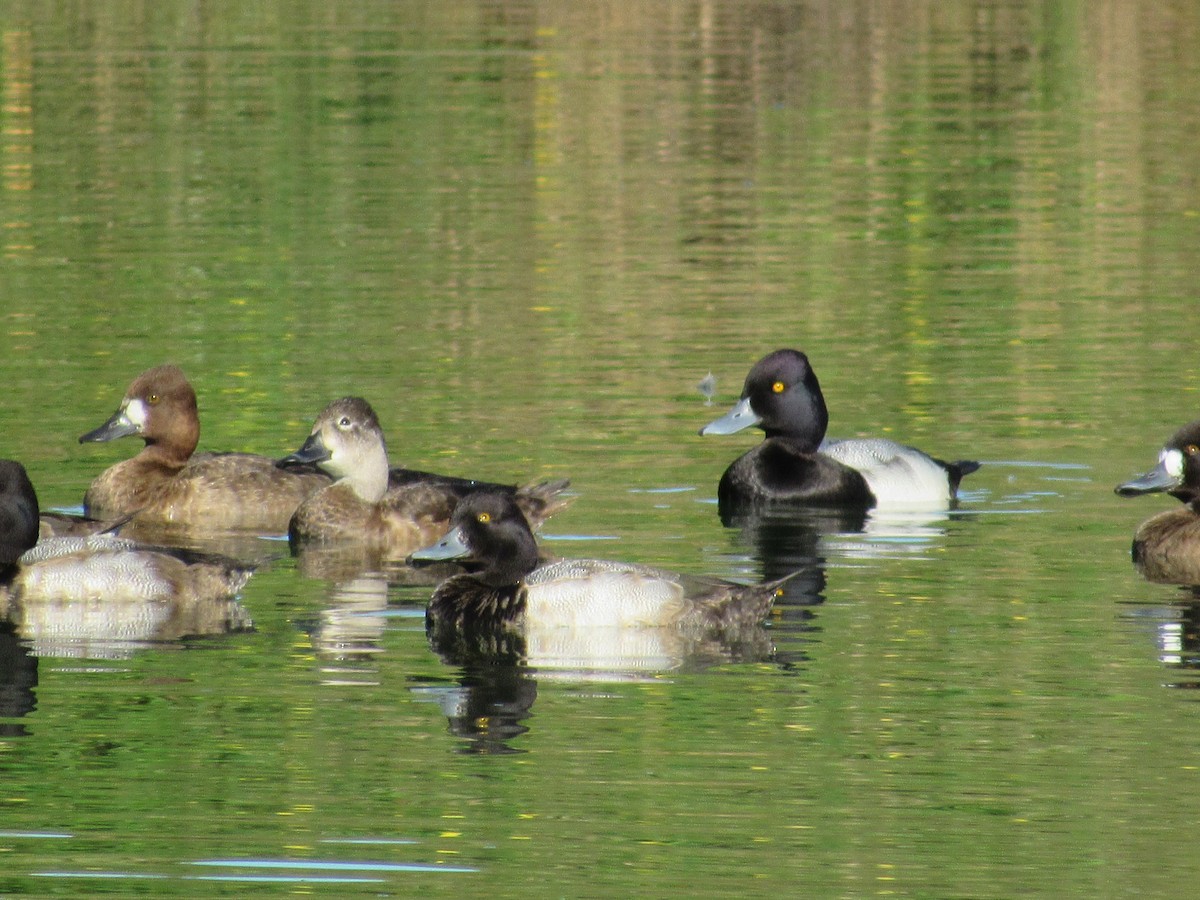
{"x": 105, "y": 586}
{"x": 1166, "y": 547}
{"x": 795, "y": 463}
{"x": 168, "y": 484}
{"x": 507, "y": 587}
{"x": 389, "y": 511}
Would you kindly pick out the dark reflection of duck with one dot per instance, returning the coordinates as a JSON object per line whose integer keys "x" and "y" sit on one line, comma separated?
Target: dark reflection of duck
{"x": 18, "y": 678}
{"x": 795, "y": 464}
{"x": 588, "y": 614}
{"x": 385, "y": 514}
{"x": 488, "y": 706}
{"x": 1166, "y": 547}
{"x": 70, "y": 595}
{"x": 168, "y": 484}
{"x": 787, "y": 541}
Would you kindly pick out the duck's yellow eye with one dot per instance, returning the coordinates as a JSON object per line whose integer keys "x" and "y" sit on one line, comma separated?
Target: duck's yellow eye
{"x": 779, "y": 387}
{"x": 152, "y": 399}
{"x": 483, "y": 518}
{"x": 1191, "y": 449}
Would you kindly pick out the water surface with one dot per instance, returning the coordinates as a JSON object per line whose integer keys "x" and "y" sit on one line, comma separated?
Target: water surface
{"x": 526, "y": 232}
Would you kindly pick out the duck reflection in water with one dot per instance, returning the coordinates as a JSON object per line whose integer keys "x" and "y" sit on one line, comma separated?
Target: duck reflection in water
{"x": 1179, "y": 639}
{"x": 1166, "y": 547}
{"x": 101, "y": 596}
{"x": 488, "y": 706}
{"x": 18, "y": 678}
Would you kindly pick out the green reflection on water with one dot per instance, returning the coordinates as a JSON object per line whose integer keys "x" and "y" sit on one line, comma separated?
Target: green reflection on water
{"x": 525, "y": 232}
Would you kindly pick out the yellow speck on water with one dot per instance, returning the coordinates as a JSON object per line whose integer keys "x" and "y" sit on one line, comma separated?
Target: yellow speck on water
{"x": 450, "y": 834}
{"x": 238, "y": 301}
{"x": 759, "y": 769}
{"x": 453, "y": 816}
{"x": 527, "y": 815}
{"x": 521, "y": 837}
{"x": 238, "y": 374}
{"x": 541, "y": 309}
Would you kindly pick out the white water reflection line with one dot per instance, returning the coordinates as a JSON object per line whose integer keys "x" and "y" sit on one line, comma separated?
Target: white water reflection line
{"x": 326, "y": 866}
{"x": 36, "y": 835}
{"x": 402, "y": 612}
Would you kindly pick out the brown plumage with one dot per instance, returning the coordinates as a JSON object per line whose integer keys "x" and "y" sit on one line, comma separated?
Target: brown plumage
{"x": 1166, "y": 547}
{"x": 168, "y": 484}
{"x": 389, "y": 512}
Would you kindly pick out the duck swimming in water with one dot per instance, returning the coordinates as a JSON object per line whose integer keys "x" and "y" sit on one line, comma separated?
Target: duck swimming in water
{"x": 508, "y": 587}
{"x": 389, "y": 511}
{"x": 102, "y": 587}
{"x": 167, "y": 483}
{"x": 1166, "y": 547}
{"x": 796, "y": 464}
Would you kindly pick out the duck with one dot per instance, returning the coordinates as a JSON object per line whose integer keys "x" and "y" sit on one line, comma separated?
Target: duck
{"x": 508, "y": 587}
{"x": 390, "y": 512}
{"x": 102, "y": 586}
{"x": 169, "y": 484}
{"x": 796, "y": 464}
{"x": 1166, "y": 547}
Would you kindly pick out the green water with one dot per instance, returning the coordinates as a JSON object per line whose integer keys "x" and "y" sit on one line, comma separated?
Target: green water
{"x": 525, "y": 232}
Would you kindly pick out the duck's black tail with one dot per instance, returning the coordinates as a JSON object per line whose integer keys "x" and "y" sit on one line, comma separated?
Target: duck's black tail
{"x": 958, "y": 470}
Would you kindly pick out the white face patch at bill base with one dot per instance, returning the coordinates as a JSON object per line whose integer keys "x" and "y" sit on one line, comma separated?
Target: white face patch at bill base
{"x": 135, "y": 412}
{"x": 1172, "y": 461}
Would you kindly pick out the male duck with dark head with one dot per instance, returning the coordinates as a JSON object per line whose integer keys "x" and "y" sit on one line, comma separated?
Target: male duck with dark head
{"x": 390, "y": 512}
{"x": 508, "y": 587}
{"x": 1166, "y": 547}
{"x": 796, "y": 465}
{"x": 165, "y": 484}
{"x": 102, "y": 585}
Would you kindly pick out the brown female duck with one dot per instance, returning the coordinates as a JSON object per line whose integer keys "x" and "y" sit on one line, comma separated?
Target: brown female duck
{"x": 167, "y": 483}
{"x": 390, "y": 512}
